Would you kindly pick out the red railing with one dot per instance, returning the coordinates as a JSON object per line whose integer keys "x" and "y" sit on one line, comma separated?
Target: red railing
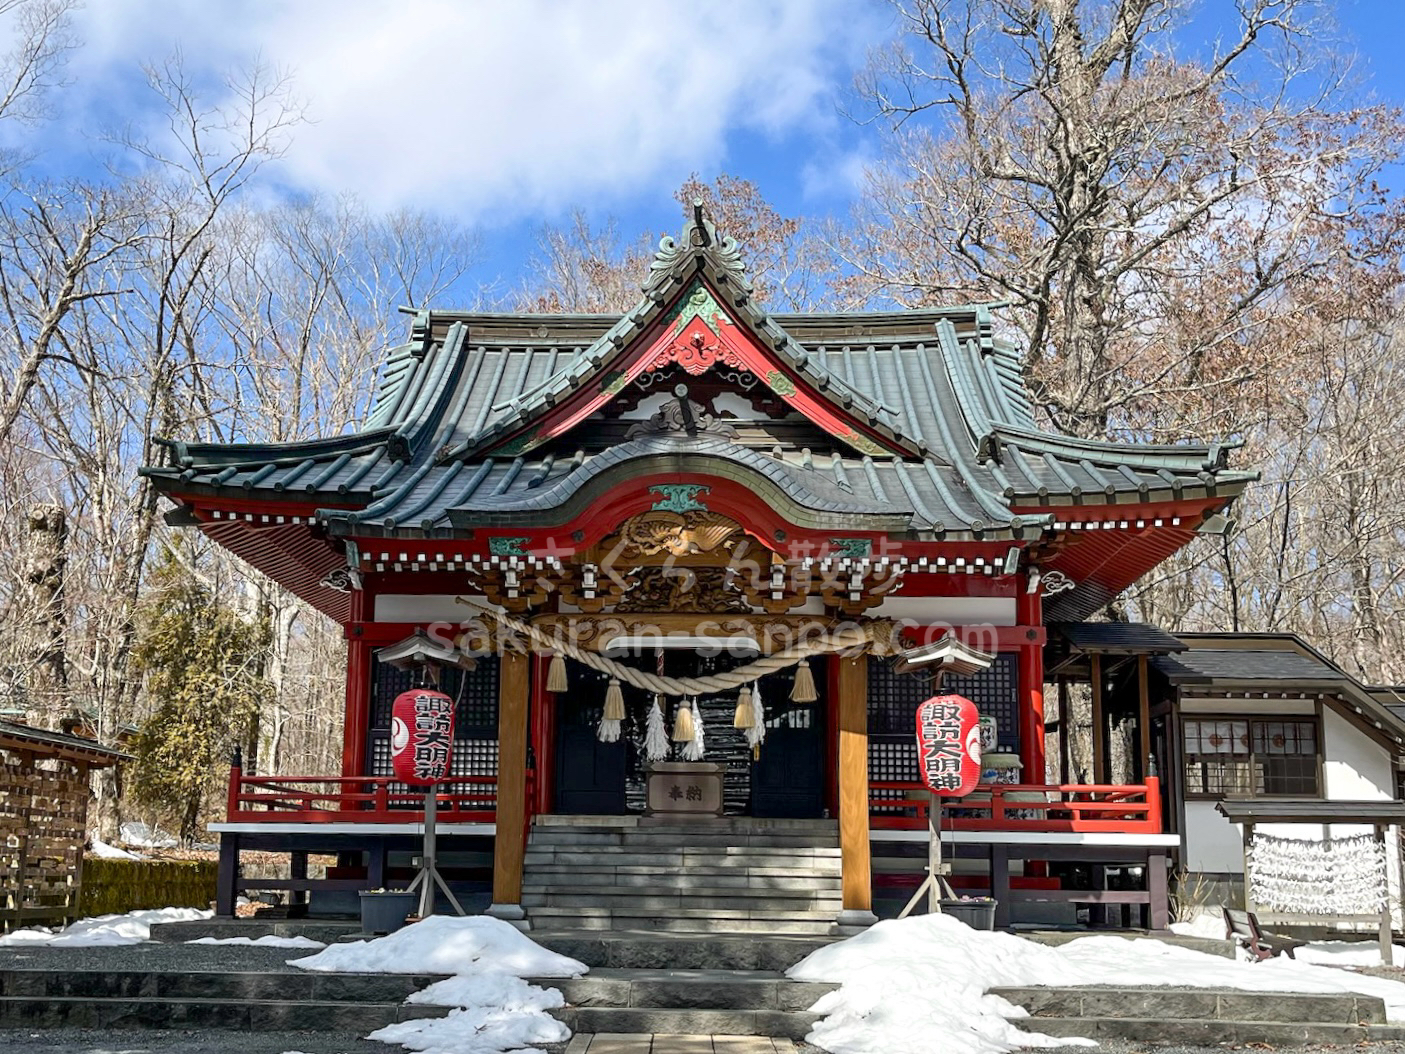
{"x": 1070, "y": 807}
{"x": 356, "y": 799}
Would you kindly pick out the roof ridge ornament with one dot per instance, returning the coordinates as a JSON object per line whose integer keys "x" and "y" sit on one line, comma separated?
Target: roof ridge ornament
{"x": 699, "y": 240}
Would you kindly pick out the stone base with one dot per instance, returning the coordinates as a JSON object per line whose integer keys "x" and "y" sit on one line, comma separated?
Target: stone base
{"x": 511, "y": 913}
{"x": 851, "y": 922}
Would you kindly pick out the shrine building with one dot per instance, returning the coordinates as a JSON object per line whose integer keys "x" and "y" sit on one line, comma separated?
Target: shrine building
{"x": 784, "y": 531}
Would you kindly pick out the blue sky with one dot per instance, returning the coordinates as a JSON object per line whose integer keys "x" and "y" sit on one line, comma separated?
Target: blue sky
{"x": 506, "y": 115}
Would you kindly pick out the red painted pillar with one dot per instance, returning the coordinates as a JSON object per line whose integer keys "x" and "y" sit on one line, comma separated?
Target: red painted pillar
{"x": 358, "y": 690}
{"x": 543, "y": 756}
{"x": 1030, "y": 616}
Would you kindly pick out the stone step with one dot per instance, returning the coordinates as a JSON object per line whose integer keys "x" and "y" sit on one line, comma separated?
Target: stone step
{"x": 1212, "y": 1033}
{"x": 328, "y": 931}
{"x": 691, "y": 823}
{"x": 247, "y": 985}
{"x": 821, "y": 861}
{"x": 678, "y": 840}
{"x": 827, "y": 872}
{"x": 31, "y": 1012}
{"x": 658, "y": 898}
{"x": 640, "y": 949}
{"x": 783, "y": 1024}
{"x": 1181, "y": 1004}
{"x": 688, "y": 989}
{"x": 808, "y": 924}
{"x": 548, "y": 879}
{"x": 703, "y": 927}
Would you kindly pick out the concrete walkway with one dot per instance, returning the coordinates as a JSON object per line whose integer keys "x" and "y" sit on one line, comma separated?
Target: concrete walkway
{"x": 625, "y": 1043}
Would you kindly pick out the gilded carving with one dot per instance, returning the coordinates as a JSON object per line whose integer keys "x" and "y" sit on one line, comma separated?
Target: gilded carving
{"x": 675, "y": 534}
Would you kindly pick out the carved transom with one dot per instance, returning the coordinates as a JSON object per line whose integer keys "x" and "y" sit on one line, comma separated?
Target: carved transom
{"x": 662, "y": 533}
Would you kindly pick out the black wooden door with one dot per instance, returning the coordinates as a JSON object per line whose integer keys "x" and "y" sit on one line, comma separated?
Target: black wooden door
{"x": 590, "y": 775}
{"x": 787, "y": 780}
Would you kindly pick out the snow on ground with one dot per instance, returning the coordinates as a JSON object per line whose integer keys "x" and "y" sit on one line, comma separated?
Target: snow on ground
{"x": 1205, "y": 924}
{"x": 919, "y": 984}
{"x": 110, "y": 852}
{"x": 104, "y": 931}
{"x": 446, "y": 945}
{"x": 494, "y": 1009}
{"x": 267, "y": 941}
{"x": 1348, "y": 953}
{"x": 134, "y": 832}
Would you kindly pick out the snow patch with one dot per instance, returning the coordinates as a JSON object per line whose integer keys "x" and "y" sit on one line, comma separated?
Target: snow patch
{"x": 915, "y": 985}
{"x": 1348, "y": 953}
{"x": 104, "y": 931}
{"x": 1204, "y": 924}
{"x": 495, "y": 1010}
{"x": 134, "y": 832}
{"x": 267, "y": 941}
{"x": 444, "y": 945}
{"x": 110, "y": 852}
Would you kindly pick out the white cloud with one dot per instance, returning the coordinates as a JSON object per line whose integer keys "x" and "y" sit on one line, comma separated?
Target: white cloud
{"x": 496, "y": 109}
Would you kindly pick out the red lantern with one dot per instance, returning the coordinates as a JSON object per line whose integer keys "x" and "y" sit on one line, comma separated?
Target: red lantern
{"x": 949, "y": 745}
{"x": 421, "y": 736}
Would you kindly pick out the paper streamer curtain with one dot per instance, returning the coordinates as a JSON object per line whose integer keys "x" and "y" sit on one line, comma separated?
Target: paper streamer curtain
{"x": 1346, "y": 876}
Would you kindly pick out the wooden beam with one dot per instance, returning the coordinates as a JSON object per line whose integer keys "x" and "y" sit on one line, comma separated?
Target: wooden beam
{"x": 853, "y": 788}
{"x": 514, "y": 686}
{"x": 1144, "y": 715}
{"x": 1100, "y": 766}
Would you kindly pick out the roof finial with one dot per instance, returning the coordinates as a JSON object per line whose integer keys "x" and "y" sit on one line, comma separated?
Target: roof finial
{"x": 701, "y": 235}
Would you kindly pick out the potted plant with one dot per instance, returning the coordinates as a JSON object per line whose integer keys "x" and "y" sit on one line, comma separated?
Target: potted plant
{"x": 385, "y": 910}
{"x": 976, "y": 912}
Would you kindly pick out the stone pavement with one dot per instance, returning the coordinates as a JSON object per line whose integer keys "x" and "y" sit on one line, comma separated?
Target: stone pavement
{"x": 628, "y": 1043}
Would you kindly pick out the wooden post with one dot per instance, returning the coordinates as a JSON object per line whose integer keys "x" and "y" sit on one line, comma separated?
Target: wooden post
{"x": 855, "y": 864}
{"x": 1028, "y": 611}
{"x": 514, "y": 686}
{"x": 1144, "y": 714}
{"x": 1159, "y": 907}
{"x": 357, "y": 717}
{"x": 1065, "y": 734}
{"x": 1387, "y": 944}
{"x": 1099, "y": 731}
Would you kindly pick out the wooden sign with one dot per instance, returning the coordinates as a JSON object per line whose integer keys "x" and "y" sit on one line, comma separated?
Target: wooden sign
{"x": 421, "y": 736}
{"x": 949, "y": 745}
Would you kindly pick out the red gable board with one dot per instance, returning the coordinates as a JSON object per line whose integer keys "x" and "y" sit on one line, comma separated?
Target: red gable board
{"x": 949, "y": 745}
{"x": 421, "y": 736}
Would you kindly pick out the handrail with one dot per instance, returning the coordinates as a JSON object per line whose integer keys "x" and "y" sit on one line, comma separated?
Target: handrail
{"x": 1067, "y": 807}
{"x": 358, "y": 799}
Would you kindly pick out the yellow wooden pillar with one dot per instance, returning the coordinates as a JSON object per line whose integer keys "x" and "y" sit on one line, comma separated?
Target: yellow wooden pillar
{"x": 853, "y": 792}
{"x": 514, "y": 688}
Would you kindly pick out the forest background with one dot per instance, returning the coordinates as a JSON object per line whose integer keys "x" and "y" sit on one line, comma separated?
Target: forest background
{"x": 1194, "y": 236}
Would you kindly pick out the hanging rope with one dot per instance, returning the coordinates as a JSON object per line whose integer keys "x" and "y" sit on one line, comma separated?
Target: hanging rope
{"x": 880, "y": 634}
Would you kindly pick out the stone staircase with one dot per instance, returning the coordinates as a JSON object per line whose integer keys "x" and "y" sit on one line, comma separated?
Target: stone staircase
{"x": 260, "y": 1001}
{"x": 736, "y": 875}
{"x": 1203, "y": 1017}
{"x": 685, "y": 984}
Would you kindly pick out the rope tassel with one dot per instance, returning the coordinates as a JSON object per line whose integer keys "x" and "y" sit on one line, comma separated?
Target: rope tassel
{"x": 693, "y": 750}
{"x": 614, "y": 701}
{"x": 803, "y": 690}
{"x": 683, "y": 723}
{"x": 745, "y": 717}
{"x": 556, "y": 675}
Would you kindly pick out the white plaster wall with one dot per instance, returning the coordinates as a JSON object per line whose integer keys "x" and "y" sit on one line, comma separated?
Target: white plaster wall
{"x": 956, "y": 611}
{"x": 411, "y": 607}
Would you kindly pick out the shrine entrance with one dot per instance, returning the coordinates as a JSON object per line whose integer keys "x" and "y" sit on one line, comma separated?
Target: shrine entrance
{"x": 785, "y": 780}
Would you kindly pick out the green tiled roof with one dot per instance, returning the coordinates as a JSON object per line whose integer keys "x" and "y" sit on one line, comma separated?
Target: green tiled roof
{"x": 936, "y": 384}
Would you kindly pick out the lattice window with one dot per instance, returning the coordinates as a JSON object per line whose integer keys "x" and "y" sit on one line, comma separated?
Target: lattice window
{"x": 1243, "y": 756}
{"x": 893, "y": 699}
{"x": 475, "y": 718}
{"x": 476, "y": 691}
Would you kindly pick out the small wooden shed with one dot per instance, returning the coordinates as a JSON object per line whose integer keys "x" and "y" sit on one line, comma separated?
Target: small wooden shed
{"x": 44, "y": 793}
